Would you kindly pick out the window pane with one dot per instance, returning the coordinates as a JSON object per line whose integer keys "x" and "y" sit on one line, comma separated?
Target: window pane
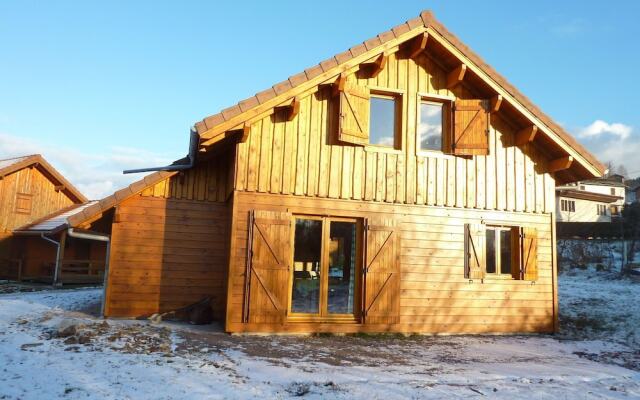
{"x": 505, "y": 252}
{"x": 430, "y": 129}
{"x": 342, "y": 267}
{"x": 382, "y": 131}
{"x": 491, "y": 251}
{"x": 305, "y": 296}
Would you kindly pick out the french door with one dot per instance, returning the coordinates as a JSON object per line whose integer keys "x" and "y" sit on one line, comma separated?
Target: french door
{"x": 325, "y": 282}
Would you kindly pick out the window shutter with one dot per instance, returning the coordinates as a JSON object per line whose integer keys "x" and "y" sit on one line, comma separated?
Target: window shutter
{"x": 267, "y": 274}
{"x": 475, "y": 251}
{"x": 529, "y": 254}
{"x": 470, "y": 127}
{"x": 381, "y": 303}
{"x": 354, "y": 114}
{"x": 516, "y": 233}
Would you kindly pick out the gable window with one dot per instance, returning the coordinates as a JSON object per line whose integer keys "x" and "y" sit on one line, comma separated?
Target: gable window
{"x": 23, "y": 203}
{"x": 383, "y": 123}
{"x": 431, "y": 125}
{"x": 568, "y": 205}
{"x": 602, "y": 209}
{"x": 499, "y": 251}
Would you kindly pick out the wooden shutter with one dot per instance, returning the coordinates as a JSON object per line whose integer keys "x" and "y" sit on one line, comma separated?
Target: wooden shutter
{"x": 268, "y": 267}
{"x": 470, "y": 127}
{"x": 23, "y": 203}
{"x": 381, "y": 303}
{"x": 475, "y": 251}
{"x": 354, "y": 114}
{"x": 516, "y": 252}
{"x": 529, "y": 254}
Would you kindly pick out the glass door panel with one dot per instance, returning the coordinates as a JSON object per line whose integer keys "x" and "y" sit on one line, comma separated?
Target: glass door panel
{"x": 342, "y": 267}
{"x": 305, "y": 294}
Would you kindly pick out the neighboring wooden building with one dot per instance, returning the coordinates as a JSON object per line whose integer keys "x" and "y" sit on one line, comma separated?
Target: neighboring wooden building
{"x": 400, "y": 186}
{"x": 30, "y": 188}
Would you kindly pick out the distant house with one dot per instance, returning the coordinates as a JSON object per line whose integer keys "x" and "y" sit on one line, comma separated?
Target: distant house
{"x": 34, "y": 197}
{"x": 594, "y": 200}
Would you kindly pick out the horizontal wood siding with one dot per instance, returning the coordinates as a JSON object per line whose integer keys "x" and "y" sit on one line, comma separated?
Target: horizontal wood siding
{"x": 302, "y": 156}
{"x": 435, "y": 296}
{"x": 169, "y": 245}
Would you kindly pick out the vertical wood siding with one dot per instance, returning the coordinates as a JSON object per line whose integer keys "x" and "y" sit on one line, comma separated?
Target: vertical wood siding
{"x": 44, "y": 198}
{"x": 301, "y": 157}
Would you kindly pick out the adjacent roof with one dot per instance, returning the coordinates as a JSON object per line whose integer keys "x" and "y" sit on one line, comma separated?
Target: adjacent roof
{"x": 99, "y": 207}
{"x": 230, "y": 118}
{"x": 603, "y": 182}
{"x": 11, "y": 165}
{"x": 584, "y": 195}
{"x": 54, "y": 222}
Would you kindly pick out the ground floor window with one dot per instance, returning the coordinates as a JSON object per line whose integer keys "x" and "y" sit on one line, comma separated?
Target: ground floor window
{"x": 499, "y": 249}
{"x": 326, "y": 254}
{"x": 568, "y": 205}
{"x": 602, "y": 209}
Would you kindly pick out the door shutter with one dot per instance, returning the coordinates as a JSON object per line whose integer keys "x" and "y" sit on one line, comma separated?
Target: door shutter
{"x": 470, "y": 127}
{"x": 354, "y": 114}
{"x": 529, "y": 254}
{"x": 381, "y": 303}
{"x": 475, "y": 251}
{"x": 268, "y": 268}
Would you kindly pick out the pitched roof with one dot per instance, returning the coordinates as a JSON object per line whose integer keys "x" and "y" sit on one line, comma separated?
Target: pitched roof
{"x": 584, "y": 195}
{"x": 229, "y": 118}
{"x": 54, "y": 222}
{"x": 99, "y": 207}
{"x": 11, "y": 165}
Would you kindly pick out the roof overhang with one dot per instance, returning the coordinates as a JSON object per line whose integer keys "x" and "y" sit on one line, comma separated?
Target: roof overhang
{"x": 584, "y": 195}
{"x": 572, "y": 161}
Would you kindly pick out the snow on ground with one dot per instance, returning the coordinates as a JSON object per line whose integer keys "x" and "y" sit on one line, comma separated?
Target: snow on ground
{"x": 52, "y": 347}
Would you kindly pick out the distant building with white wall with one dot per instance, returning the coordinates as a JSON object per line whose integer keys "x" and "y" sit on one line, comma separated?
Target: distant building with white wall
{"x": 596, "y": 200}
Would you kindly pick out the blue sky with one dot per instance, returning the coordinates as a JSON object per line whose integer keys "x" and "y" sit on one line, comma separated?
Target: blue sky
{"x": 102, "y": 86}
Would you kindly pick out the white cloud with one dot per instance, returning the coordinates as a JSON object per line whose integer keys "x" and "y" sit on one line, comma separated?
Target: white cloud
{"x": 95, "y": 174}
{"x": 599, "y": 127}
{"x": 613, "y": 142}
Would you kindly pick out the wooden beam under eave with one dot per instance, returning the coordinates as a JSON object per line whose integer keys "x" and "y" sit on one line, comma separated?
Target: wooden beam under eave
{"x": 456, "y": 76}
{"x": 526, "y": 135}
{"x": 378, "y": 65}
{"x": 246, "y": 130}
{"x": 292, "y": 109}
{"x": 418, "y": 45}
{"x": 560, "y": 164}
{"x": 339, "y": 84}
{"x": 496, "y": 102}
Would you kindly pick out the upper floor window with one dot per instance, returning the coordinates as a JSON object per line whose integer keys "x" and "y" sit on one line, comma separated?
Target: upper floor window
{"x": 582, "y": 187}
{"x": 613, "y": 191}
{"x": 384, "y": 118}
{"x": 431, "y": 125}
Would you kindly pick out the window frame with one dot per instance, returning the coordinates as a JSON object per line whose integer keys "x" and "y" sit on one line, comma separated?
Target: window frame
{"x": 323, "y": 315}
{"x": 601, "y": 210}
{"x": 447, "y": 123}
{"x": 21, "y": 196}
{"x": 399, "y": 97}
{"x": 567, "y": 205}
{"x": 498, "y": 253}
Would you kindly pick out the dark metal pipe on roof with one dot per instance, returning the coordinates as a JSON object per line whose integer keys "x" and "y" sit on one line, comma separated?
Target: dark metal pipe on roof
{"x": 194, "y": 140}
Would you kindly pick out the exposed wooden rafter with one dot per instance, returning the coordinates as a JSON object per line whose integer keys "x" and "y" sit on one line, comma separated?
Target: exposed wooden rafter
{"x": 526, "y": 135}
{"x": 59, "y": 188}
{"x": 292, "y": 109}
{"x": 339, "y": 84}
{"x": 374, "y": 68}
{"x": 418, "y": 45}
{"x": 560, "y": 164}
{"x": 456, "y": 76}
{"x": 496, "y": 102}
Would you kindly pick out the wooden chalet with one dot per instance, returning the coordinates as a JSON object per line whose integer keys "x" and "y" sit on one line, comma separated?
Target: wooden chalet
{"x": 30, "y": 190}
{"x": 400, "y": 186}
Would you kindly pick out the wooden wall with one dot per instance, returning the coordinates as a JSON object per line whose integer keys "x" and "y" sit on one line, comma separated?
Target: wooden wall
{"x": 169, "y": 244}
{"x": 45, "y": 199}
{"x": 300, "y": 156}
{"x": 435, "y": 297}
